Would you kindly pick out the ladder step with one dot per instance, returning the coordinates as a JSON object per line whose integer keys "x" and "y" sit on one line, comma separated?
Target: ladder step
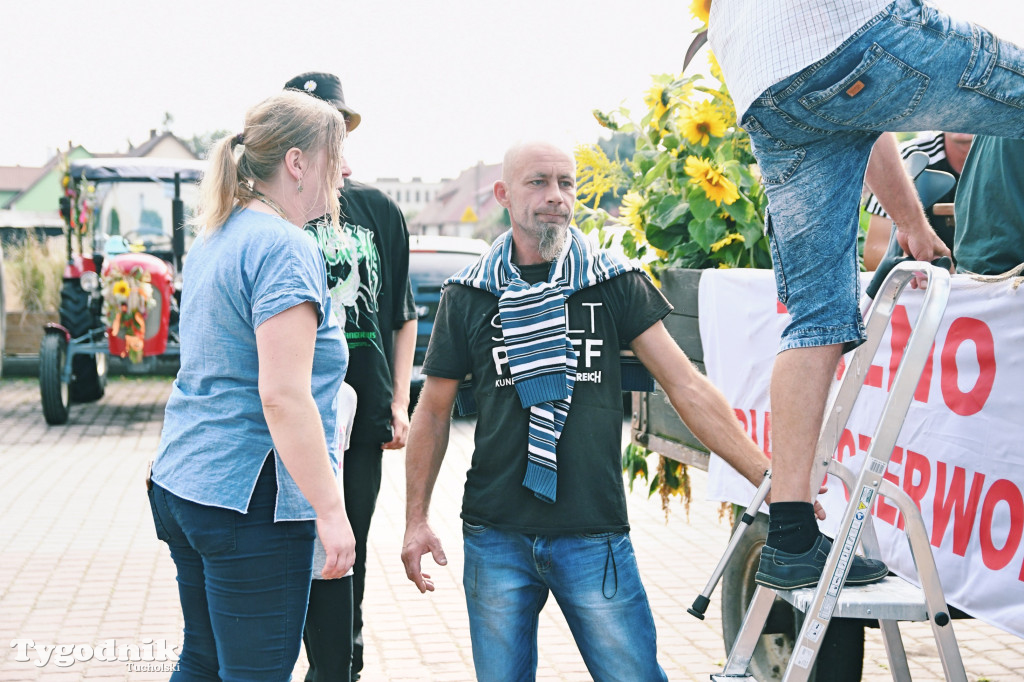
{"x": 892, "y": 598}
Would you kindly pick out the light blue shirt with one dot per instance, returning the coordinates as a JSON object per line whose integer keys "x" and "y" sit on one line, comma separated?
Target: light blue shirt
{"x": 215, "y": 438}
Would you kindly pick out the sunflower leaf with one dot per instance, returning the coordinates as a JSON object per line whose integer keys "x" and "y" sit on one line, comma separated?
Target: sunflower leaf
{"x": 656, "y": 171}
{"x": 701, "y": 207}
{"x": 670, "y": 209}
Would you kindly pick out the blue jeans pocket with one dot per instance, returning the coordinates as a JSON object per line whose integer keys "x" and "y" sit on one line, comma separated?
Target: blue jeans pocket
{"x": 161, "y": 532}
{"x": 209, "y": 530}
{"x": 781, "y": 291}
{"x": 996, "y": 70}
{"x": 601, "y": 537}
{"x": 880, "y": 90}
{"x": 472, "y": 528}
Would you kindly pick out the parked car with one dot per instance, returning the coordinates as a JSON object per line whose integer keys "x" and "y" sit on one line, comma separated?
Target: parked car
{"x": 432, "y": 259}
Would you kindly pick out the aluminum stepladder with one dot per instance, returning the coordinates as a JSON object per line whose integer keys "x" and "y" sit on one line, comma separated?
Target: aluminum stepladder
{"x": 893, "y": 599}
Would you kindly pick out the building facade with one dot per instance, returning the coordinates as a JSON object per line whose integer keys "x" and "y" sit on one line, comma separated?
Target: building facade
{"x": 411, "y": 195}
{"x": 464, "y": 207}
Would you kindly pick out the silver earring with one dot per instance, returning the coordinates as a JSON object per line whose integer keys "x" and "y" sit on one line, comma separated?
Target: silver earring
{"x": 300, "y": 185}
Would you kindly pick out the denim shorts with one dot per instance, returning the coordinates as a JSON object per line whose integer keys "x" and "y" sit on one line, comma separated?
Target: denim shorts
{"x": 910, "y": 68}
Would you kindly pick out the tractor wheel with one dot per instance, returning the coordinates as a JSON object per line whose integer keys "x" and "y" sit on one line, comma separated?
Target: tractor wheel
{"x": 54, "y": 392}
{"x": 75, "y": 315}
{"x": 89, "y": 377}
{"x": 841, "y": 652}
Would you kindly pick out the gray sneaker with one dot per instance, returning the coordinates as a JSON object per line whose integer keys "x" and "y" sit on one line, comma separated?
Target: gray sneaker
{"x": 785, "y": 571}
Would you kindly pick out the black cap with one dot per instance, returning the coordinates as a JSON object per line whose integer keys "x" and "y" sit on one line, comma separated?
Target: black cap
{"x": 327, "y": 87}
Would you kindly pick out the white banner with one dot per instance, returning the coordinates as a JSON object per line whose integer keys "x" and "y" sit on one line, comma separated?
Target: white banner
{"x": 959, "y": 454}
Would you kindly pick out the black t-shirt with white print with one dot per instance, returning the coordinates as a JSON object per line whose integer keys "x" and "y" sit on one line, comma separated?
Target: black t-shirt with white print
{"x": 467, "y": 340}
{"x": 368, "y": 276}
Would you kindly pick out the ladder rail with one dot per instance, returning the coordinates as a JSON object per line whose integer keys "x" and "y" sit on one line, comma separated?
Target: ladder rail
{"x": 865, "y": 490}
{"x": 856, "y": 528}
{"x": 750, "y": 632}
{"x": 927, "y": 574}
{"x": 839, "y": 407}
{"x": 892, "y": 639}
{"x": 848, "y": 477}
{"x": 931, "y": 583}
{"x": 844, "y": 397}
{"x": 895, "y": 653}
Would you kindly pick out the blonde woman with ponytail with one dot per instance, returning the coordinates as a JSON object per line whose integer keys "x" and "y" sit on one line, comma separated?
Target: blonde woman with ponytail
{"x": 245, "y": 476}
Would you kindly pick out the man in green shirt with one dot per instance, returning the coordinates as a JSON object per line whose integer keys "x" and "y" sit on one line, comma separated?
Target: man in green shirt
{"x": 990, "y": 207}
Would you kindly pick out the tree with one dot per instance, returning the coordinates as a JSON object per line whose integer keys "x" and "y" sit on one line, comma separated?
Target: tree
{"x": 201, "y": 143}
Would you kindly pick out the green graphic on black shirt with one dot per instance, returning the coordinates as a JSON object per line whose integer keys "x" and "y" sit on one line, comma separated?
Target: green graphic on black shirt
{"x": 354, "y": 279}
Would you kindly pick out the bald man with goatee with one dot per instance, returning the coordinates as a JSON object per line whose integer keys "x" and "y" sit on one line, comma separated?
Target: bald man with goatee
{"x": 550, "y": 329}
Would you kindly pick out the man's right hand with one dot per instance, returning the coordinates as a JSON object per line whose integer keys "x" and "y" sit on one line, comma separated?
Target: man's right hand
{"x": 420, "y": 539}
{"x": 923, "y": 245}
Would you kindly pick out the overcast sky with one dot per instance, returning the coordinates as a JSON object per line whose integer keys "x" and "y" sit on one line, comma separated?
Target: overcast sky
{"x": 440, "y": 85}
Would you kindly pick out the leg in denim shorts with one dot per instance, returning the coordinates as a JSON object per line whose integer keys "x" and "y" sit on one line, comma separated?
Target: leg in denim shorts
{"x": 910, "y": 68}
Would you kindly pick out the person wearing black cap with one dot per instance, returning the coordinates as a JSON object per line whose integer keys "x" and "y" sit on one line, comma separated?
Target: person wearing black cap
{"x": 368, "y": 273}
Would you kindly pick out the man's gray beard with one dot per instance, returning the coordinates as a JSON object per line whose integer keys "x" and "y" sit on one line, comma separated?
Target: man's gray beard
{"x": 551, "y": 241}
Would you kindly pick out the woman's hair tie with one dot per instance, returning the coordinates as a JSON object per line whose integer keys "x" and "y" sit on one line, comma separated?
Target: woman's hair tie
{"x": 239, "y": 139}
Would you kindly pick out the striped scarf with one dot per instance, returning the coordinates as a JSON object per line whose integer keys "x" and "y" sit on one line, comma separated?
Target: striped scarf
{"x": 540, "y": 354}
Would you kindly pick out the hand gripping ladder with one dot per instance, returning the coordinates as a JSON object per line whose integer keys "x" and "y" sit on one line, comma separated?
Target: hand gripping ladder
{"x": 892, "y": 599}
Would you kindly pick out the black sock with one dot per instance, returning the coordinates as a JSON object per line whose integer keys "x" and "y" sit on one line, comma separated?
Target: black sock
{"x": 792, "y": 527}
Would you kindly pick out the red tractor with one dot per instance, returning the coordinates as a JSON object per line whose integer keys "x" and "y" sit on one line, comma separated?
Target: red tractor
{"x": 126, "y": 240}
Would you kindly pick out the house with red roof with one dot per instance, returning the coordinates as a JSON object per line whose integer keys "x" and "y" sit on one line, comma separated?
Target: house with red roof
{"x": 464, "y": 207}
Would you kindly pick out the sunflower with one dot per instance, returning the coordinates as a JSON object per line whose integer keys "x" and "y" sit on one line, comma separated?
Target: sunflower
{"x": 121, "y": 288}
{"x": 657, "y": 99}
{"x": 726, "y": 240}
{"x": 716, "y": 68}
{"x": 700, "y": 123}
{"x": 629, "y": 212}
{"x": 716, "y": 186}
{"x": 701, "y": 10}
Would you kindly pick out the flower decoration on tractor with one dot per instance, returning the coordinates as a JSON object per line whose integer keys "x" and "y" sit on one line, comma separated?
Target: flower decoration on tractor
{"x": 82, "y": 195}
{"x": 127, "y": 298}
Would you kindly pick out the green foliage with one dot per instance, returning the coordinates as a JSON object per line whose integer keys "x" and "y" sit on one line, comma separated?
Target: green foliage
{"x": 634, "y": 463}
{"x": 691, "y": 195}
{"x": 672, "y": 478}
{"x": 36, "y": 272}
{"x": 200, "y": 144}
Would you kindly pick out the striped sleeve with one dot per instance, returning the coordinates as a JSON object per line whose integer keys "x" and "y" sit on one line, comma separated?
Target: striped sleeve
{"x": 931, "y": 144}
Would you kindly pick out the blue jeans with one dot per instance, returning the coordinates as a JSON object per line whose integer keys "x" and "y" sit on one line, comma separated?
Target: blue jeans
{"x": 910, "y": 68}
{"x": 594, "y": 579}
{"x": 243, "y": 581}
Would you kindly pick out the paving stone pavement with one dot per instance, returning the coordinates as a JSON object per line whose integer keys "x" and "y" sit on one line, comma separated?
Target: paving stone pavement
{"x": 80, "y": 564}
